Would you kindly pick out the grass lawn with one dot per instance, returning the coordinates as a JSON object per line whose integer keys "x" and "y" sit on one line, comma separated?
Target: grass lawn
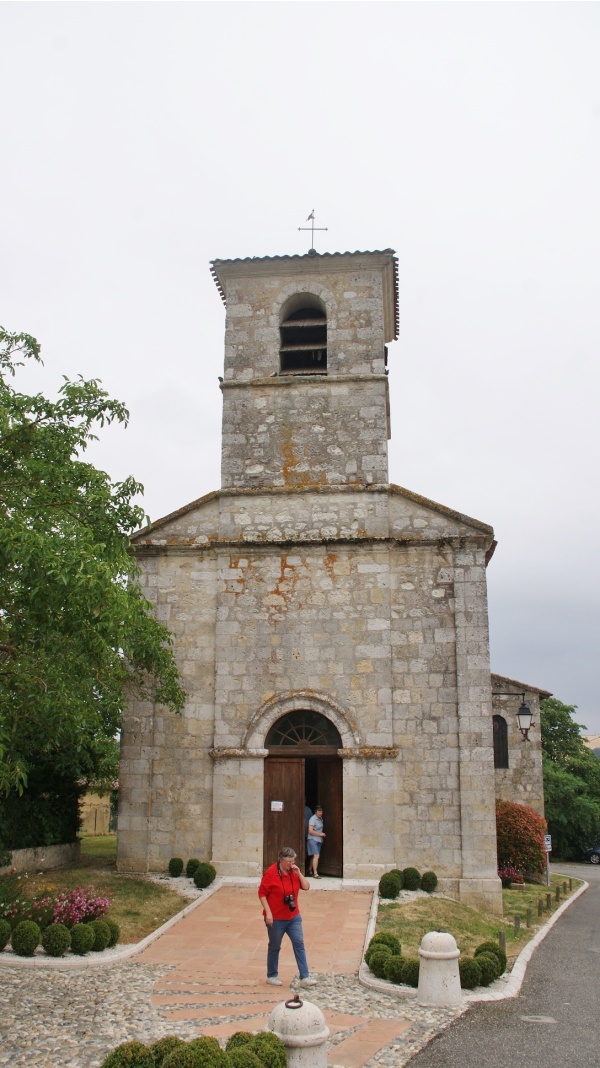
{"x": 138, "y": 906}
{"x": 410, "y": 920}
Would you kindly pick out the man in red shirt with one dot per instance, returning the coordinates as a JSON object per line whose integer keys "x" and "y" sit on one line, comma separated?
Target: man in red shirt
{"x": 278, "y": 894}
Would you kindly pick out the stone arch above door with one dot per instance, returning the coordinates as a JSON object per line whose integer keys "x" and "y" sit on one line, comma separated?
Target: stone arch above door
{"x": 300, "y": 700}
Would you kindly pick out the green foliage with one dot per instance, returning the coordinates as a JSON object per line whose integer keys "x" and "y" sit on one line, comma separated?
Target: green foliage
{"x": 377, "y": 960}
{"x": 520, "y": 837}
{"x": 56, "y": 940}
{"x": 491, "y": 947}
{"x": 489, "y": 966}
{"x": 386, "y": 938}
{"x": 571, "y": 781}
{"x": 129, "y": 1055}
{"x": 429, "y": 881}
{"x": 204, "y": 875}
{"x": 82, "y": 938}
{"x": 4, "y": 934}
{"x": 410, "y": 971}
{"x": 115, "y": 932}
{"x": 269, "y": 1049}
{"x": 389, "y": 885}
{"x": 163, "y": 1046}
{"x": 412, "y": 879}
{"x": 398, "y": 873}
{"x": 101, "y": 935}
{"x": 392, "y": 968}
{"x": 175, "y": 867}
{"x": 25, "y": 938}
{"x": 47, "y": 811}
{"x": 203, "y": 1052}
{"x": 75, "y": 631}
{"x": 470, "y": 973}
{"x": 237, "y": 1039}
{"x": 245, "y": 1057}
{"x": 572, "y": 811}
{"x": 191, "y": 866}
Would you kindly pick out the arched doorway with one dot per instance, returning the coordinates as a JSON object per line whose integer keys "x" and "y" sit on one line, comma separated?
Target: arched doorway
{"x": 303, "y": 766}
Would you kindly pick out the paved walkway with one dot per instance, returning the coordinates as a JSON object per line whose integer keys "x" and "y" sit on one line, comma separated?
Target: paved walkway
{"x": 206, "y": 975}
{"x": 217, "y": 959}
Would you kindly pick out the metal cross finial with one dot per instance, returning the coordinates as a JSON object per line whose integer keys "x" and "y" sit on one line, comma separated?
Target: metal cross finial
{"x": 311, "y": 219}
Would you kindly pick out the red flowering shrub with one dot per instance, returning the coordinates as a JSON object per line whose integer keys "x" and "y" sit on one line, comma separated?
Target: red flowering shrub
{"x": 520, "y": 837}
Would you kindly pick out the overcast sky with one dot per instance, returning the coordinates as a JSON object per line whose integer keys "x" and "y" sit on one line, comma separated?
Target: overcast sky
{"x": 139, "y": 141}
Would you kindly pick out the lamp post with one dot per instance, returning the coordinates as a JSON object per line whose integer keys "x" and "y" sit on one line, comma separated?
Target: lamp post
{"x": 524, "y": 715}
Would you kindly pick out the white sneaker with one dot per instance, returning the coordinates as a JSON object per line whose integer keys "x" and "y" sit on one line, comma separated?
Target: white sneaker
{"x": 307, "y": 982}
{"x": 274, "y": 980}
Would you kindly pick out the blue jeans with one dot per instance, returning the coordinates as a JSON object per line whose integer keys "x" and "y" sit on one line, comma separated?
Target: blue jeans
{"x": 293, "y": 929}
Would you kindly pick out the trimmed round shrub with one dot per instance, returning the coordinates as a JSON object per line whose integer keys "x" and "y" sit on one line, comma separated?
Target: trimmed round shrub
{"x": 375, "y": 949}
{"x": 377, "y": 961}
{"x": 204, "y": 875}
{"x": 193, "y": 1055}
{"x": 470, "y": 973}
{"x": 244, "y": 1057}
{"x": 398, "y": 873}
{"x": 25, "y": 938}
{"x": 101, "y": 935}
{"x": 386, "y": 938}
{"x": 429, "y": 881}
{"x": 163, "y": 1046}
{"x": 4, "y": 934}
{"x": 410, "y": 971}
{"x": 56, "y": 940}
{"x": 237, "y": 1039}
{"x": 412, "y": 879}
{"x": 129, "y": 1055}
{"x": 115, "y": 932}
{"x": 389, "y": 885}
{"x": 82, "y": 938}
{"x": 491, "y": 947}
{"x": 191, "y": 866}
{"x": 175, "y": 867}
{"x": 269, "y": 1049}
{"x": 490, "y": 967}
{"x": 392, "y": 968}
{"x": 210, "y": 1053}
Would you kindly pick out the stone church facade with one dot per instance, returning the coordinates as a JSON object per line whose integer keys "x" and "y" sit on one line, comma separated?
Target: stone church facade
{"x": 331, "y": 628}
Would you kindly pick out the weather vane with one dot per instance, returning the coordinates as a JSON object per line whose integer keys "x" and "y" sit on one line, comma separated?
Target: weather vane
{"x": 311, "y": 219}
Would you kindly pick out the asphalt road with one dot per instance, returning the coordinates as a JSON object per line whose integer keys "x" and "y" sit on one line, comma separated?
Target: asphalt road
{"x": 555, "y": 1021}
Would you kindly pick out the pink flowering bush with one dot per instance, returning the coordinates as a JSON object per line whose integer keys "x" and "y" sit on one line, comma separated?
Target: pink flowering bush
{"x": 509, "y": 875}
{"x": 68, "y": 907}
{"x": 79, "y": 906}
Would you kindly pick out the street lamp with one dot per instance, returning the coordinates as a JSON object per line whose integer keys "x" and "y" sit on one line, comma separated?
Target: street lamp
{"x": 524, "y": 715}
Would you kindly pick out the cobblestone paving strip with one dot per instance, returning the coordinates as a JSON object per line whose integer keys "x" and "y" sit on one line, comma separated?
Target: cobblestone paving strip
{"x": 72, "y": 1020}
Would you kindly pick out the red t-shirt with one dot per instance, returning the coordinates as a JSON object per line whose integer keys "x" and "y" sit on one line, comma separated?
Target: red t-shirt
{"x": 276, "y": 884}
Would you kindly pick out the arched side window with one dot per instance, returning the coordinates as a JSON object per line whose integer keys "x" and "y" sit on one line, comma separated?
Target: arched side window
{"x": 303, "y": 334}
{"x": 500, "y": 742}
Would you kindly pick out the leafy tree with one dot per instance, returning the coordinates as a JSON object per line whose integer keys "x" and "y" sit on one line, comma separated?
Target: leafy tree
{"x": 76, "y": 633}
{"x": 571, "y": 781}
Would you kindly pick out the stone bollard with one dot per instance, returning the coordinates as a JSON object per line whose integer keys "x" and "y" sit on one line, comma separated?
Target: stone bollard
{"x": 301, "y": 1027}
{"x": 439, "y": 979}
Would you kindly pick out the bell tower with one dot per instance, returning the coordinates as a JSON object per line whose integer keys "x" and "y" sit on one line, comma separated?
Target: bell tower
{"x": 305, "y": 389}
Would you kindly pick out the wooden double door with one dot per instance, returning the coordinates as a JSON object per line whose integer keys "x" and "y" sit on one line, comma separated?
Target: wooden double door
{"x": 290, "y": 783}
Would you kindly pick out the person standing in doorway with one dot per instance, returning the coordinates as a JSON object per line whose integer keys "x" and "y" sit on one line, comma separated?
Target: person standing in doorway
{"x": 278, "y": 895}
{"x": 314, "y": 841}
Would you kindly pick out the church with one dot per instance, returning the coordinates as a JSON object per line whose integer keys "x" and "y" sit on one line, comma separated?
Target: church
{"x": 331, "y": 628}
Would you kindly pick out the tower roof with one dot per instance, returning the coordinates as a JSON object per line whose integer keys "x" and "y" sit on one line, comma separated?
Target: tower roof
{"x": 314, "y": 263}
